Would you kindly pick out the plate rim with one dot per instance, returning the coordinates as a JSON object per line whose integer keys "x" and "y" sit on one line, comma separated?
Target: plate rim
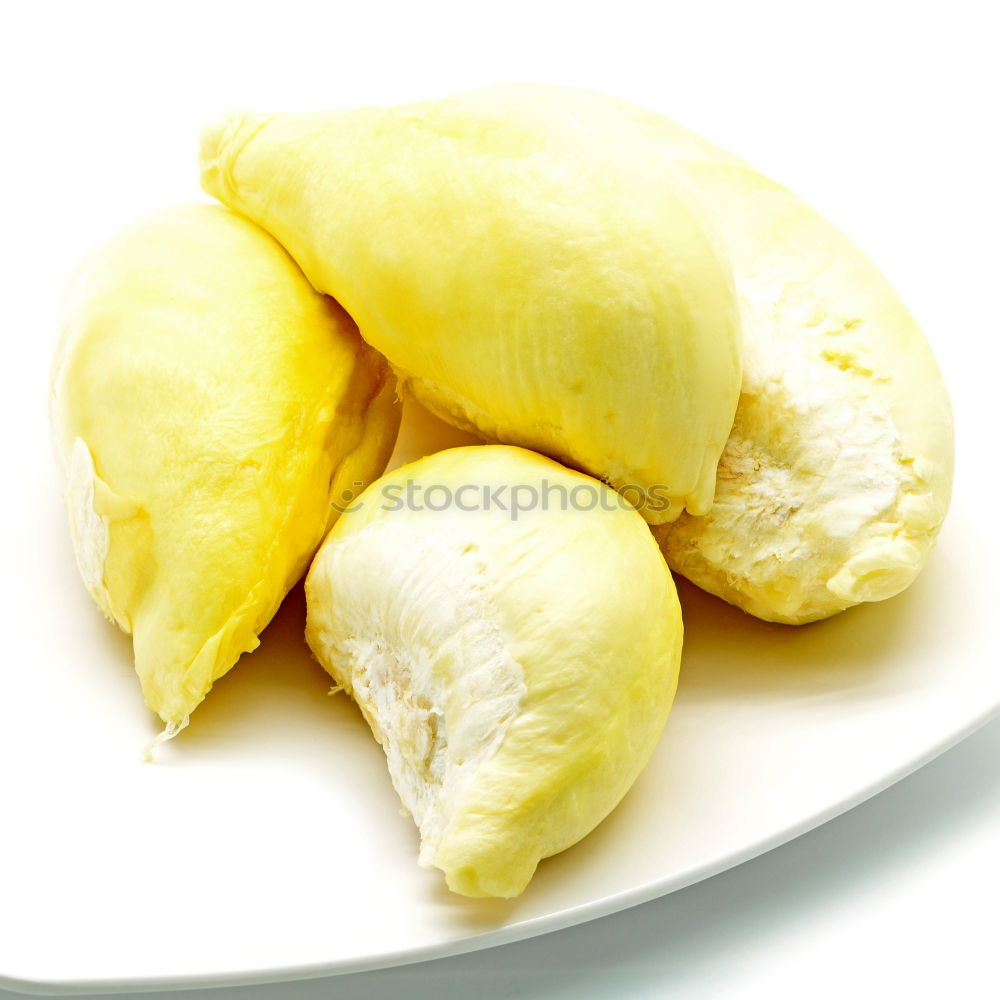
{"x": 523, "y": 930}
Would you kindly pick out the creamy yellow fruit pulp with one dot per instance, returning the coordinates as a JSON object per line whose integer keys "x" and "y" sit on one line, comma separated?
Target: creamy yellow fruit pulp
{"x": 517, "y": 670}
{"x": 533, "y": 268}
{"x": 207, "y": 405}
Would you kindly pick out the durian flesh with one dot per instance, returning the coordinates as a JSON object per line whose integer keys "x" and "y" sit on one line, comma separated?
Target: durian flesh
{"x": 207, "y": 405}
{"x": 837, "y": 475}
{"x": 534, "y": 269}
{"x": 517, "y": 671}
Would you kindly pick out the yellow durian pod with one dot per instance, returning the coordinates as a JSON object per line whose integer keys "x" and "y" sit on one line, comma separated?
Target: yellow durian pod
{"x": 208, "y": 406}
{"x": 533, "y": 271}
{"x": 511, "y": 633}
{"x": 837, "y": 476}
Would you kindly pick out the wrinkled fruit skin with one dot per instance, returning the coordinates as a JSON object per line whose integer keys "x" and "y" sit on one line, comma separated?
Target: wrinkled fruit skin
{"x": 517, "y": 672}
{"x": 534, "y": 269}
{"x": 207, "y": 406}
{"x": 837, "y": 474}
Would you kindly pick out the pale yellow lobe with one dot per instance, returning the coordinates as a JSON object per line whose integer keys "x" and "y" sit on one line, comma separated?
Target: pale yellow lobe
{"x": 532, "y": 267}
{"x": 208, "y": 405}
{"x": 518, "y": 672}
{"x": 837, "y": 475}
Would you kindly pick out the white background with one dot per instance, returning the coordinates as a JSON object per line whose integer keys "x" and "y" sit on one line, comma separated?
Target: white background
{"x": 882, "y": 115}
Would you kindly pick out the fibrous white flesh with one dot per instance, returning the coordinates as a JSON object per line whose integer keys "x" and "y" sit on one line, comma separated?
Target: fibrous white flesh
{"x": 815, "y": 483}
{"x": 408, "y": 627}
{"x": 837, "y": 474}
{"x": 88, "y": 529}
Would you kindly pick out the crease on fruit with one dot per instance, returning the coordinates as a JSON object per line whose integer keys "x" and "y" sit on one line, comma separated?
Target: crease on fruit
{"x": 375, "y": 415}
{"x": 879, "y": 571}
{"x": 223, "y": 142}
{"x": 425, "y": 659}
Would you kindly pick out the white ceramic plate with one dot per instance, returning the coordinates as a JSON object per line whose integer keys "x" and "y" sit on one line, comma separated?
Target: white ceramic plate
{"x": 266, "y": 842}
